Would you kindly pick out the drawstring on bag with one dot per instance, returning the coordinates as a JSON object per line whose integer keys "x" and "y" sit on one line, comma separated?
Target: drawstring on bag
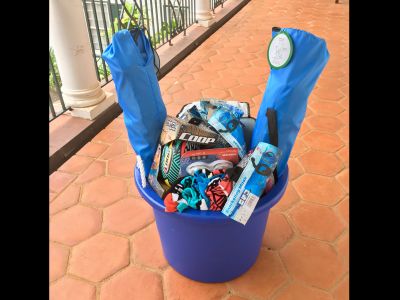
{"x": 273, "y": 132}
{"x": 136, "y": 29}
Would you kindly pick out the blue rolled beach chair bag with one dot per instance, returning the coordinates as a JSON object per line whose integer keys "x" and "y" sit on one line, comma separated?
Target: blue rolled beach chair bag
{"x": 296, "y": 59}
{"x": 131, "y": 61}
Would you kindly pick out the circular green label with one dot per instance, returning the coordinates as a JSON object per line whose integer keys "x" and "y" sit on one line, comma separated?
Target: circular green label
{"x": 280, "y": 50}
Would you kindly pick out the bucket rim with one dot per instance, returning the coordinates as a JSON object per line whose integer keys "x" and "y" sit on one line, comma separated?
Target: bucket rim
{"x": 264, "y": 204}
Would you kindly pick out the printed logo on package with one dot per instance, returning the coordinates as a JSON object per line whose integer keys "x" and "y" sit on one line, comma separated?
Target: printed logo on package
{"x": 280, "y": 50}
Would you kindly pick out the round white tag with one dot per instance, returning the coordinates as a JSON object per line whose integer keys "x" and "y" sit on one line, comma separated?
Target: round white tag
{"x": 280, "y": 50}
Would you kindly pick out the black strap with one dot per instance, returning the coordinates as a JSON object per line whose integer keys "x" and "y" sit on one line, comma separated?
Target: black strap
{"x": 234, "y": 173}
{"x": 273, "y": 133}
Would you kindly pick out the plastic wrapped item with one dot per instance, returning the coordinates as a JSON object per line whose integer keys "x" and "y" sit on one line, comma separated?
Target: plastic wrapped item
{"x": 210, "y": 159}
{"x": 203, "y": 190}
{"x": 136, "y": 83}
{"x": 193, "y": 116}
{"x": 226, "y": 120}
{"x": 251, "y": 183}
{"x": 171, "y": 160}
{"x": 297, "y": 59}
{"x": 175, "y": 129}
{"x": 203, "y": 104}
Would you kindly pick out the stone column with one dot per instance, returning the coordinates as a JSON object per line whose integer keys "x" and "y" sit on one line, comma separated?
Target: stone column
{"x": 69, "y": 39}
{"x": 203, "y": 13}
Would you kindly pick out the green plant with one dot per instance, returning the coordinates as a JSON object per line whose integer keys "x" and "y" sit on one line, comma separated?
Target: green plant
{"x": 127, "y": 23}
{"x": 165, "y": 30}
{"x": 52, "y": 83}
{"x": 102, "y": 74}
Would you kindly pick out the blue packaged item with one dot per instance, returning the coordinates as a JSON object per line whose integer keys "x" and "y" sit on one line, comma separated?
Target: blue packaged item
{"x": 226, "y": 120}
{"x": 251, "y": 183}
{"x": 136, "y": 83}
{"x": 297, "y": 59}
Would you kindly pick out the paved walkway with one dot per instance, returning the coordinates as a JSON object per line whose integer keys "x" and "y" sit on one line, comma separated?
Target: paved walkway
{"x": 103, "y": 240}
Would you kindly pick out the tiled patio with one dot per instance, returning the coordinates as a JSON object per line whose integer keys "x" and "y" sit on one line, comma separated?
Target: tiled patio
{"x": 103, "y": 240}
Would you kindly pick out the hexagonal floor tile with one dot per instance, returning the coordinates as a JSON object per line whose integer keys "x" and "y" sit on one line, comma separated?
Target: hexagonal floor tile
{"x": 230, "y": 73}
{"x": 175, "y": 87}
{"x": 180, "y": 287}
{"x": 329, "y": 93}
{"x": 117, "y": 148}
{"x": 127, "y": 216}
{"x": 74, "y": 225}
{"x": 343, "y": 178}
{"x": 117, "y": 124}
{"x": 238, "y": 63}
{"x": 252, "y": 80}
{"x": 342, "y": 246}
{"x": 317, "y": 221}
{"x": 326, "y": 108}
{"x": 95, "y": 170}
{"x": 197, "y": 85}
{"x": 107, "y": 136}
{"x": 288, "y": 199}
{"x": 319, "y": 189}
{"x": 99, "y": 257}
{"x": 278, "y": 231}
{"x": 297, "y": 290}
{"x": 215, "y": 93}
{"x": 244, "y": 92}
{"x": 104, "y": 191}
{"x": 203, "y": 76}
{"x": 343, "y": 209}
{"x": 76, "y": 164}
{"x": 343, "y": 133}
{"x": 323, "y": 141}
{"x": 344, "y": 117}
{"x": 58, "y": 260}
{"x": 133, "y": 283}
{"x": 185, "y": 96}
{"x": 305, "y": 127}
{"x": 265, "y": 277}
{"x": 60, "y": 180}
{"x": 299, "y": 147}
{"x": 325, "y": 123}
{"x": 215, "y": 66}
{"x": 146, "y": 248}
{"x": 122, "y": 166}
{"x": 69, "y": 288}
{"x": 295, "y": 170}
{"x": 343, "y": 154}
{"x": 235, "y": 297}
{"x": 304, "y": 259}
{"x": 321, "y": 163}
{"x": 67, "y": 198}
{"x": 132, "y": 189}
{"x": 92, "y": 149}
{"x": 330, "y": 82}
{"x": 52, "y": 196}
{"x": 254, "y": 71}
{"x": 224, "y": 83}
{"x": 342, "y": 291}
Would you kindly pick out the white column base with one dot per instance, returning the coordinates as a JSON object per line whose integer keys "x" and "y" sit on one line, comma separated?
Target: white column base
{"x": 83, "y": 98}
{"x": 91, "y": 112}
{"x": 206, "y": 23}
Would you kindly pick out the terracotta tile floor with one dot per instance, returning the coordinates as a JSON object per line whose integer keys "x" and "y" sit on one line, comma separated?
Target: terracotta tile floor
{"x": 103, "y": 240}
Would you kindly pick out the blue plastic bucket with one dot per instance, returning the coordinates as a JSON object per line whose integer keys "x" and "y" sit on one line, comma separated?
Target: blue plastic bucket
{"x": 207, "y": 246}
